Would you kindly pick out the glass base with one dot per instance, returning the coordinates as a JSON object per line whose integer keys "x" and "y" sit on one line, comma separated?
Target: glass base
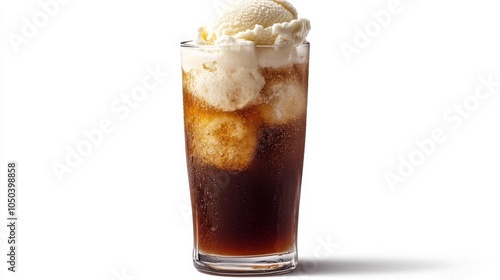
{"x": 251, "y": 265}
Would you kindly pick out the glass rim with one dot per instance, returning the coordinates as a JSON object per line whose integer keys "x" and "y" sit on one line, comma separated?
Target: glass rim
{"x": 191, "y": 44}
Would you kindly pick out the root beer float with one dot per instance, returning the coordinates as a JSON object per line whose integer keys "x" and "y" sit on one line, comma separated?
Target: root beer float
{"x": 245, "y": 82}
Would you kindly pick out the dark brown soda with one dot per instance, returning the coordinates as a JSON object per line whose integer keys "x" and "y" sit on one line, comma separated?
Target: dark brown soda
{"x": 252, "y": 211}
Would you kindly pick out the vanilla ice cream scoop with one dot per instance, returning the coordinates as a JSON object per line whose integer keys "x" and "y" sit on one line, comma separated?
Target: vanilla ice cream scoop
{"x": 263, "y": 22}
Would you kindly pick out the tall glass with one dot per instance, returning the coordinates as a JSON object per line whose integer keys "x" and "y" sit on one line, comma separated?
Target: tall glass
{"x": 245, "y": 126}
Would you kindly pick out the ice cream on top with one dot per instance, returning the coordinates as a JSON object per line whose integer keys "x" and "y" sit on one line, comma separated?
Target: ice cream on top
{"x": 262, "y": 22}
{"x": 229, "y": 79}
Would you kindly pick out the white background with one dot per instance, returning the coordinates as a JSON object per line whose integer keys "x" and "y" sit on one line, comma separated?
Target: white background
{"x": 122, "y": 212}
